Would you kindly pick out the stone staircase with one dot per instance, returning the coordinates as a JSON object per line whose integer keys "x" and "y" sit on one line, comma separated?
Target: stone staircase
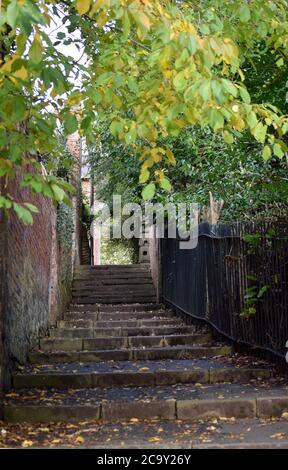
{"x": 119, "y": 355}
{"x": 85, "y": 253}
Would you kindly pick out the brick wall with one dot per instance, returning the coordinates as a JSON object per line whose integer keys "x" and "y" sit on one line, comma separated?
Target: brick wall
{"x": 2, "y": 271}
{"x": 27, "y": 276}
{"x": 36, "y": 269}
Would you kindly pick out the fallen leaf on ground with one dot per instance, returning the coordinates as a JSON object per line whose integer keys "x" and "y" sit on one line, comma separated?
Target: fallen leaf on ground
{"x": 134, "y": 420}
{"x": 154, "y": 439}
{"x": 27, "y": 443}
{"x": 278, "y": 435}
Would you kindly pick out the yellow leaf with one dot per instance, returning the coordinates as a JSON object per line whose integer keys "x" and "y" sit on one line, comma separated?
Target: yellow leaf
{"x": 7, "y": 66}
{"x": 144, "y": 369}
{"x": 80, "y": 440}
{"x": 170, "y": 157}
{"x": 154, "y": 439}
{"x": 82, "y": 6}
{"x": 21, "y": 73}
{"x": 134, "y": 420}
{"x": 102, "y": 19}
{"x": 27, "y": 443}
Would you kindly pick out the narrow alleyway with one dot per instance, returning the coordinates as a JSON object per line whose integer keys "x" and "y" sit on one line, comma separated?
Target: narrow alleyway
{"x": 119, "y": 356}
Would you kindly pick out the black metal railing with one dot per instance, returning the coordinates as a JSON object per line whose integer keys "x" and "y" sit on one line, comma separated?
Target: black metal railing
{"x": 236, "y": 279}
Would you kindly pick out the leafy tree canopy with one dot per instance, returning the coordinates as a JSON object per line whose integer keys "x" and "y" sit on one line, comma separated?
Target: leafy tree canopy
{"x": 154, "y": 68}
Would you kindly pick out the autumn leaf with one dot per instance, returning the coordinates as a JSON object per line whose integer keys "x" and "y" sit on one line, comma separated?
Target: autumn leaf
{"x": 82, "y": 6}
{"x": 27, "y": 443}
{"x": 154, "y": 439}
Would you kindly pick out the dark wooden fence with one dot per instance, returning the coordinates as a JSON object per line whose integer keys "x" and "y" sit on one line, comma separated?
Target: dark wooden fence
{"x": 236, "y": 279}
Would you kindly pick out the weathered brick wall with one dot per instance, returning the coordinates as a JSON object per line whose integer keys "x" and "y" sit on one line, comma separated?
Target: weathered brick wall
{"x": 36, "y": 269}
{"x": 2, "y": 274}
{"x": 27, "y": 276}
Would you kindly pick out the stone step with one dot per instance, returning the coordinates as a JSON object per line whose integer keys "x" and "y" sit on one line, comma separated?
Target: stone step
{"x": 145, "y": 289}
{"x": 120, "y": 342}
{"x": 184, "y": 402}
{"x": 108, "y": 282}
{"x": 112, "y": 324}
{"x": 106, "y": 316}
{"x": 116, "y": 308}
{"x": 112, "y": 275}
{"x": 93, "y": 272}
{"x": 175, "y": 352}
{"x": 114, "y": 299}
{"x": 112, "y": 267}
{"x": 79, "y": 380}
{"x": 78, "y": 332}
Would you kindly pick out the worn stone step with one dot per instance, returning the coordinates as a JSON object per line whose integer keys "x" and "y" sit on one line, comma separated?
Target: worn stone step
{"x": 120, "y": 342}
{"x": 106, "y": 316}
{"x": 80, "y": 323}
{"x": 78, "y": 379}
{"x": 182, "y": 402}
{"x": 116, "y": 308}
{"x": 112, "y": 291}
{"x": 165, "y": 314}
{"x": 94, "y": 271}
{"x": 114, "y": 298}
{"x": 112, "y": 267}
{"x": 175, "y": 352}
{"x": 147, "y": 322}
{"x": 112, "y": 276}
{"x": 108, "y": 282}
{"x": 115, "y": 287}
{"x": 80, "y": 332}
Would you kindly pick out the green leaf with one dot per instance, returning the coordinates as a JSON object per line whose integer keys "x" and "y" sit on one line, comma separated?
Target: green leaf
{"x": 5, "y": 203}
{"x": 252, "y": 120}
{"x": 244, "y": 13}
{"x": 277, "y": 150}
{"x": 59, "y": 193}
{"x": 144, "y": 176}
{"x": 149, "y": 191}
{"x": 23, "y": 214}
{"x": 262, "y": 291}
{"x": 132, "y": 84}
{"x": 116, "y": 127}
{"x": 70, "y": 123}
{"x": 229, "y": 87}
{"x": 228, "y": 138}
{"x": 36, "y": 50}
{"x": 12, "y": 13}
{"x": 205, "y": 90}
{"x": 216, "y": 119}
{"x": 179, "y": 81}
{"x": 280, "y": 62}
{"x": 266, "y": 154}
{"x": 31, "y": 207}
{"x": 165, "y": 184}
{"x": 259, "y": 132}
{"x": 245, "y": 95}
